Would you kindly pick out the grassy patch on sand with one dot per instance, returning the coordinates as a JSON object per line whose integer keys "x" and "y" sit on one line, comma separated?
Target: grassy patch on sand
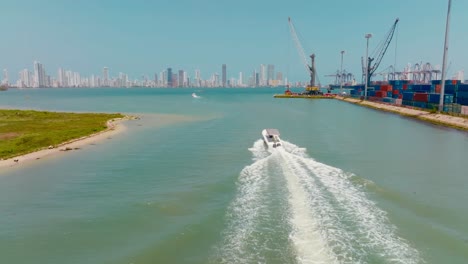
{"x": 25, "y": 131}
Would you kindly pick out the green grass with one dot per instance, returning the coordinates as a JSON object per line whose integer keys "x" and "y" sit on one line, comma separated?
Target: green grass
{"x": 27, "y": 131}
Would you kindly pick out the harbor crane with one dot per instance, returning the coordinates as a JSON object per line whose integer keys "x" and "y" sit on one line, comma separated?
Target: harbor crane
{"x": 379, "y": 52}
{"x": 311, "y": 88}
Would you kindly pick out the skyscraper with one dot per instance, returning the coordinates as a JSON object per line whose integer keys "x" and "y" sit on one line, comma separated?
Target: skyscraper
{"x": 5, "y": 77}
{"x": 181, "y": 78}
{"x": 241, "y": 81}
{"x": 262, "y": 75}
{"x": 169, "y": 77}
{"x": 25, "y": 78}
{"x": 270, "y": 73}
{"x": 155, "y": 79}
{"x": 197, "y": 78}
{"x": 105, "y": 76}
{"x": 279, "y": 78}
{"x": 39, "y": 75}
{"x": 224, "y": 75}
{"x": 61, "y": 78}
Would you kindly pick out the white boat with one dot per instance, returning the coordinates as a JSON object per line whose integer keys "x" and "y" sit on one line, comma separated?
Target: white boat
{"x": 194, "y": 95}
{"x": 271, "y": 137}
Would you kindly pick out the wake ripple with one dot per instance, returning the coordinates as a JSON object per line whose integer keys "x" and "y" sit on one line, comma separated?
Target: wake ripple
{"x": 329, "y": 218}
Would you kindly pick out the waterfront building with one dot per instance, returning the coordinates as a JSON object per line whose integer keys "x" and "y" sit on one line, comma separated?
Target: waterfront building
{"x": 224, "y": 75}
{"x": 181, "y": 78}
{"x": 39, "y": 75}
{"x": 5, "y": 77}
{"x": 262, "y": 75}
{"x": 270, "y": 73}
{"x": 105, "y": 76}
{"x": 197, "y": 78}
{"x": 169, "y": 77}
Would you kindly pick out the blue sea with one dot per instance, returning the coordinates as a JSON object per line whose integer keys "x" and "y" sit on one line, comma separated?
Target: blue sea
{"x": 192, "y": 182}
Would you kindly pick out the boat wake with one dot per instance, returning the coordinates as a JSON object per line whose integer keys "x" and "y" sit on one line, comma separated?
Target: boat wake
{"x": 290, "y": 208}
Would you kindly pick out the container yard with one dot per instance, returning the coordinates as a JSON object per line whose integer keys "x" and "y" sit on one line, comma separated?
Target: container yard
{"x": 423, "y": 96}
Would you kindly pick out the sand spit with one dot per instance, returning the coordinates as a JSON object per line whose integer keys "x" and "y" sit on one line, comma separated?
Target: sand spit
{"x": 114, "y": 126}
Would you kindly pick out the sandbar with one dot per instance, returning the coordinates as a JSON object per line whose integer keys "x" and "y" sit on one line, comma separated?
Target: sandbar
{"x": 114, "y": 126}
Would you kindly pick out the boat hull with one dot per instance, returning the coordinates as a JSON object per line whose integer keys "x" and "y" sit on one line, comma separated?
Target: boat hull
{"x": 271, "y": 140}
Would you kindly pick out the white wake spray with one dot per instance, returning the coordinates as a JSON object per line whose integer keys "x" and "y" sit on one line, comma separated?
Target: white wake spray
{"x": 329, "y": 218}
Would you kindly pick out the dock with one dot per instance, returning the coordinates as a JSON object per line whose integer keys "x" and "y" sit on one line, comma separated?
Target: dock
{"x": 306, "y": 96}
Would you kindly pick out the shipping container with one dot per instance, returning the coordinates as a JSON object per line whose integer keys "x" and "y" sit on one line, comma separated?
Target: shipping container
{"x": 450, "y": 89}
{"x": 452, "y": 108}
{"x": 464, "y": 110}
{"x": 408, "y": 96}
{"x": 380, "y": 94}
{"x": 452, "y": 82}
{"x": 462, "y": 101}
{"x": 407, "y": 102}
{"x": 388, "y": 100}
{"x": 463, "y": 88}
{"x": 421, "y": 97}
{"x": 386, "y": 87}
{"x": 462, "y": 94}
{"x": 419, "y": 104}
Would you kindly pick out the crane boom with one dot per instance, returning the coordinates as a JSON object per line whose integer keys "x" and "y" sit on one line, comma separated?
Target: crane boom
{"x": 298, "y": 44}
{"x": 310, "y": 68}
{"x": 380, "y": 53}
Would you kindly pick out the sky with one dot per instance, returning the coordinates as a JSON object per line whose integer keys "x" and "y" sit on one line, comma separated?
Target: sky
{"x": 142, "y": 37}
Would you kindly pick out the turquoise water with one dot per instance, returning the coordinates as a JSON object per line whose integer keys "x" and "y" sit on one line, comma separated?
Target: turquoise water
{"x": 351, "y": 185}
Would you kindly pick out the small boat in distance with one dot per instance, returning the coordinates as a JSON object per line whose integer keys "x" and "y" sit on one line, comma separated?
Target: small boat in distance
{"x": 271, "y": 137}
{"x": 194, "y": 95}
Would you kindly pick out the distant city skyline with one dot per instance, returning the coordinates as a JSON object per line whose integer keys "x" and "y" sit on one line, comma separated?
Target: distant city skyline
{"x": 140, "y": 37}
{"x": 40, "y": 78}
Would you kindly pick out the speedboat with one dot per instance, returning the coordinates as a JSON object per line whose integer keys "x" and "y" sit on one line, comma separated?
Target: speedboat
{"x": 194, "y": 95}
{"x": 271, "y": 137}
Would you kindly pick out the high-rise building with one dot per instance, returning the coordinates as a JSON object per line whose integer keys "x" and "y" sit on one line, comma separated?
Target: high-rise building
{"x": 279, "y": 78}
{"x": 39, "y": 75}
{"x": 61, "y": 78}
{"x": 169, "y": 77}
{"x": 216, "y": 80}
{"x": 270, "y": 73}
{"x": 224, "y": 75}
{"x": 105, "y": 76}
{"x": 181, "y": 78}
{"x": 241, "y": 81}
{"x": 197, "y": 78}
{"x": 5, "y": 80}
{"x": 262, "y": 80}
{"x": 155, "y": 79}
{"x": 25, "y": 79}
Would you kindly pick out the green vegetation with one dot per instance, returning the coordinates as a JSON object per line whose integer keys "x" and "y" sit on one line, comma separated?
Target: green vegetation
{"x": 23, "y": 132}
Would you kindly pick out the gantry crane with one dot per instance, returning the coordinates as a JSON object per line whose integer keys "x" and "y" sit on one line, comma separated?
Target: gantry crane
{"x": 311, "y": 88}
{"x": 380, "y": 52}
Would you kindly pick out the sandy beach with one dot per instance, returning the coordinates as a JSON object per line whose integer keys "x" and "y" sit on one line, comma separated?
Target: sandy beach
{"x": 434, "y": 118}
{"x": 114, "y": 127}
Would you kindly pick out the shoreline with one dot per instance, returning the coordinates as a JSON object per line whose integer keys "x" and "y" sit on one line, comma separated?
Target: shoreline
{"x": 114, "y": 126}
{"x": 459, "y": 123}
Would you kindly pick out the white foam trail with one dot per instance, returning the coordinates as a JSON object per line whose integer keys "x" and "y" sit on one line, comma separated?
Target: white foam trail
{"x": 329, "y": 218}
{"x": 306, "y": 235}
{"x": 355, "y": 227}
{"x": 244, "y": 212}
